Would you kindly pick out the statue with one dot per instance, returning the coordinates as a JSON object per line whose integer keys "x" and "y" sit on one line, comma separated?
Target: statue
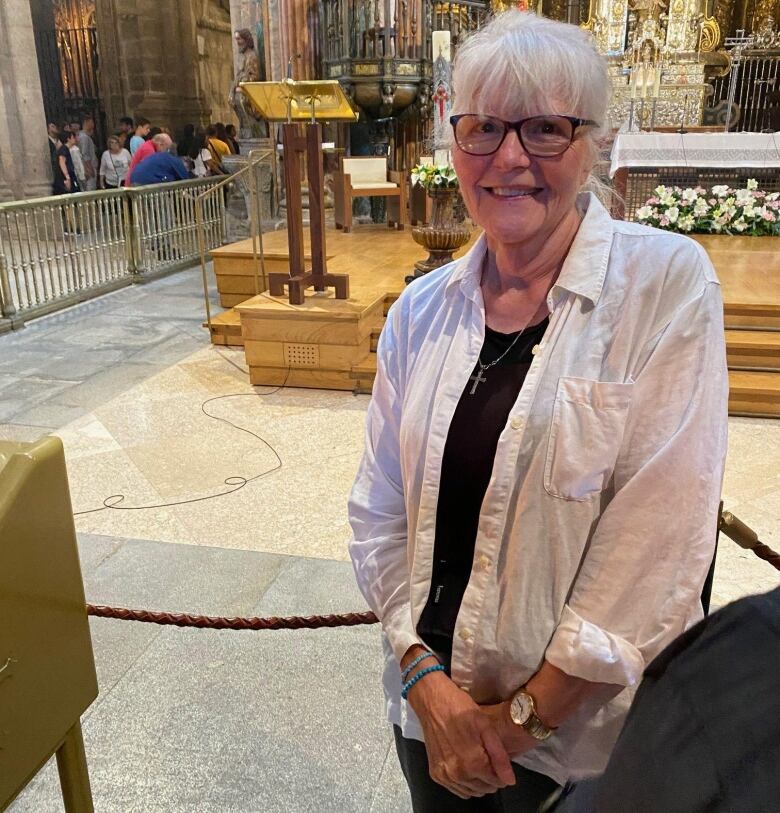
{"x": 648, "y": 9}
{"x": 249, "y": 70}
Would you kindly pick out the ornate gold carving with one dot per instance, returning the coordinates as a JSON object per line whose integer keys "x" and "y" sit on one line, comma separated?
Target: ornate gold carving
{"x": 710, "y": 35}
{"x": 406, "y": 69}
{"x": 365, "y": 69}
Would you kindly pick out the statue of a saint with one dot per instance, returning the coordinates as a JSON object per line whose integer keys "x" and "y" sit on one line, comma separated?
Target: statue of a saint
{"x": 248, "y": 71}
{"x": 648, "y": 9}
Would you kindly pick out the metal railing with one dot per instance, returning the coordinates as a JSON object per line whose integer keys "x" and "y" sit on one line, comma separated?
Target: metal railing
{"x": 60, "y": 250}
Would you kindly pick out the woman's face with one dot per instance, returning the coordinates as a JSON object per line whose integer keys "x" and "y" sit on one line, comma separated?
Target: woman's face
{"x": 114, "y": 145}
{"x": 516, "y": 197}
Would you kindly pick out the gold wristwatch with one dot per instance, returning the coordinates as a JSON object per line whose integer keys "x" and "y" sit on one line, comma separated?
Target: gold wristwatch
{"x": 523, "y": 712}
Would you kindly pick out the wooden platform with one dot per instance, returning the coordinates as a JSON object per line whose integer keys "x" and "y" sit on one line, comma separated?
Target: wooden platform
{"x": 328, "y": 343}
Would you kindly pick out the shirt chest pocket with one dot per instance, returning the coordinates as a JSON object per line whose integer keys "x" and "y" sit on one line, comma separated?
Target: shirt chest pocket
{"x": 585, "y": 436}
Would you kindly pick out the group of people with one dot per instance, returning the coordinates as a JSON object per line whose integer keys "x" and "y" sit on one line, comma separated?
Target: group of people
{"x": 137, "y": 154}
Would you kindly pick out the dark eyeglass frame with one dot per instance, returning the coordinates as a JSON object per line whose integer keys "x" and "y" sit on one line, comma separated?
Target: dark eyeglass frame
{"x": 516, "y": 126}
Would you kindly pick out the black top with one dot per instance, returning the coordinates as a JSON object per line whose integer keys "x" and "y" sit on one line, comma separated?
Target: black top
{"x": 59, "y": 178}
{"x": 703, "y": 732}
{"x": 467, "y": 465}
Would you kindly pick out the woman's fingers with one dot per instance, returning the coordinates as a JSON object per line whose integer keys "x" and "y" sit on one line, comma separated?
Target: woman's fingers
{"x": 499, "y": 758}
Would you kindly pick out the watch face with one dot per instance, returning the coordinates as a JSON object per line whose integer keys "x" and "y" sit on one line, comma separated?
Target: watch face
{"x": 522, "y": 708}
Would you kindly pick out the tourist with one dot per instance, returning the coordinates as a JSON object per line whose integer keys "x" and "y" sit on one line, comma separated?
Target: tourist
{"x": 54, "y": 145}
{"x": 200, "y": 163}
{"x": 77, "y": 158}
{"x": 161, "y": 167}
{"x": 126, "y": 127}
{"x": 160, "y": 142}
{"x": 218, "y": 149}
{"x": 223, "y": 136}
{"x": 230, "y": 132}
{"x": 65, "y": 178}
{"x": 114, "y": 164}
{"x": 703, "y": 733}
{"x": 86, "y": 140}
{"x": 542, "y": 408}
{"x": 184, "y": 144}
{"x": 138, "y": 139}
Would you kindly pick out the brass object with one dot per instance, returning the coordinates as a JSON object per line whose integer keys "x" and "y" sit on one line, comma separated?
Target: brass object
{"x": 444, "y": 235}
{"x": 47, "y": 670}
{"x": 296, "y": 101}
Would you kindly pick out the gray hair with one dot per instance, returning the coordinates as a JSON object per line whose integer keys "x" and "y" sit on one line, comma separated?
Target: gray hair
{"x": 520, "y": 64}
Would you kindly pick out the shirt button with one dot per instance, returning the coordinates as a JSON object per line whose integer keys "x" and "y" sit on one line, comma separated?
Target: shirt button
{"x": 536, "y": 349}
{"x": 466, "y": 634}
{"x": 516, "y": 423}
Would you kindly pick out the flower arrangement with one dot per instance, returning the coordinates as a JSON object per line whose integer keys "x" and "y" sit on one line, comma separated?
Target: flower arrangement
{"x": 431, "y": 177}
{"x": 722, "y": 210}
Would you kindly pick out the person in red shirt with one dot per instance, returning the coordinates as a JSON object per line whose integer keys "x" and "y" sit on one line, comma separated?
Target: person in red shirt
{"x": 160, "y": 143}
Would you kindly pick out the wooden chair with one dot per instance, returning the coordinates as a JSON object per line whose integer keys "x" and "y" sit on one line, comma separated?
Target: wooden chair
{"x": 369, "y": 177}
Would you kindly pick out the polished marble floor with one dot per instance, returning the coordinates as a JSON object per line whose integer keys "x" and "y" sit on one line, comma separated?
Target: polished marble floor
{"x": 149, "y": 411}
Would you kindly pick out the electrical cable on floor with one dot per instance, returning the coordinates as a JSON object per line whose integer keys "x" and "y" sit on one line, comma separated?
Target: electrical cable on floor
{"x": 235, "y": 483}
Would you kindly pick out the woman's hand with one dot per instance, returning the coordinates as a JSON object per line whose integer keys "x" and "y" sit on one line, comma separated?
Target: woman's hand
{"x": 514, "y": 738}
{"x": 465, "y": 754}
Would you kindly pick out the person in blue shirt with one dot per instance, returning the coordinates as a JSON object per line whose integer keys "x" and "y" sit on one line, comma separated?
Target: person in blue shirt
{"x": 160, "y": 167}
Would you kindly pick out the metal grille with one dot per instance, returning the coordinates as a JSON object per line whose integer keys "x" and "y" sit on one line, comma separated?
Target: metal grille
{"x": 68, "y": 63}
{"x": 756, "y": 93}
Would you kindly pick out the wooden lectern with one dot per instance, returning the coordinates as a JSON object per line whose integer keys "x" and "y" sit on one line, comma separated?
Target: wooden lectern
{"x": 301, "y": 106}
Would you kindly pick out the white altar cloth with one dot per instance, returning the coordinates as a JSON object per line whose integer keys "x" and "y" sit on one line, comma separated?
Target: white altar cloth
{"x": 695, "y": 150}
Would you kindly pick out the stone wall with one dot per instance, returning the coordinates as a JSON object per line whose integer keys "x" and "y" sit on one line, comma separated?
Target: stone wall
{"x": 169, "y": 62}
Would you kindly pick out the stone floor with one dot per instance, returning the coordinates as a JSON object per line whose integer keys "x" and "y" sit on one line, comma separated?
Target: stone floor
{"x": 210, "y": 721}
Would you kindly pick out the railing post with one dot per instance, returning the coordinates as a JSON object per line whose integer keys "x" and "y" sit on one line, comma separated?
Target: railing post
{"x": 7, "y": 307}
{"x": 136, "y": 238}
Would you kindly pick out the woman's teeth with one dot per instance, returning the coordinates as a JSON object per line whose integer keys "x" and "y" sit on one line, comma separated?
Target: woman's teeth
{"x": 512, "y": 192}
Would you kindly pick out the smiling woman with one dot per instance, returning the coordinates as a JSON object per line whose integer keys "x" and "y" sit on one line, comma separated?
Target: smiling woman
{"x": 537, "y": 405}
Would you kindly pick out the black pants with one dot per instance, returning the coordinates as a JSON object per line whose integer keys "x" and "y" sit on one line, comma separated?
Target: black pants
{"x": 530, "y": 791}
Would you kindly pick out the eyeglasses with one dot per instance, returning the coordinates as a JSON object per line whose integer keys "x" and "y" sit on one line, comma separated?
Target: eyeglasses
{"x": 540, "y": 136}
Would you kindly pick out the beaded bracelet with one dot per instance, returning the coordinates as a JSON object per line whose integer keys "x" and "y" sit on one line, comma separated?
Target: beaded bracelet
{"x": 421, "y": 674}
{"x": 405, "y": 673}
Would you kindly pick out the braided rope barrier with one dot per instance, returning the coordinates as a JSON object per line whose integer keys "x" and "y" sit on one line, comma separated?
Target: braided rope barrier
{"x": 311, "y": 622}
{"x": 216, "y": 622}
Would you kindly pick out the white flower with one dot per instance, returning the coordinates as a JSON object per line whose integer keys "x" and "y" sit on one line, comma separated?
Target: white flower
{"x": 752, "y": 183}
{"x": 668, "y": 199}
{"x": 660, "y": 190}
{"x": 749, "y": 211}
{"x": 744, "y": 195}
{"x": 740, "y": 225}
{"x": 701, "y": 207}
{"x": 719, "y": 191}
{"x": 672, "y": 213}
{"x": 685, "y": 223}
{"x": 773, "y": 196}
{"x": 688, "y": 195}
{"x": 644, "y": 212}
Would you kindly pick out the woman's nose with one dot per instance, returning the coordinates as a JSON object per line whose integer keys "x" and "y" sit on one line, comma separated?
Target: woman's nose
{"x": 511, "y": 153}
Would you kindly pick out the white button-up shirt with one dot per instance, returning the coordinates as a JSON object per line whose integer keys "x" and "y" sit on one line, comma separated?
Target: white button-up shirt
{"x": 598, "y": 525}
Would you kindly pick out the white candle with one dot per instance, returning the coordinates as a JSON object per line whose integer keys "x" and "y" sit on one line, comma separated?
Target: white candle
{"x": 441, "y": 45}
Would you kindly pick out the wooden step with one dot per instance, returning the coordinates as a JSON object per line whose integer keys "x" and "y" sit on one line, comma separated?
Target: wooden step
{"x": 753, "y": 349}
{"x": 364, "y": 373}
{"x": 226, "y": 329}
{"x": 754, "y": 393}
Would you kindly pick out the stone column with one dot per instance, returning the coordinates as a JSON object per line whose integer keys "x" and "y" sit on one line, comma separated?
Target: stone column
{"x": 24, "y": 160}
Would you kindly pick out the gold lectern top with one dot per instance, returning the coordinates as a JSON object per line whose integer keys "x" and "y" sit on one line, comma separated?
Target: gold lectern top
{"x": 319, "y": 100}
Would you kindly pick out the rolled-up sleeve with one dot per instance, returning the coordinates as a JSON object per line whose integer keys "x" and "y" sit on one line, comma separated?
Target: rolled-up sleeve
{"x": 377, "y": 510}
{"x": 640, "y": 581}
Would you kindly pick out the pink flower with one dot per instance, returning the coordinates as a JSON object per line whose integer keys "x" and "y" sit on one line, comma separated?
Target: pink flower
{"x": 712, "y": 201}
{"x": 770, "y": 216}
{"x": 654, "y": 201}
{"x": 664, "y": 220}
